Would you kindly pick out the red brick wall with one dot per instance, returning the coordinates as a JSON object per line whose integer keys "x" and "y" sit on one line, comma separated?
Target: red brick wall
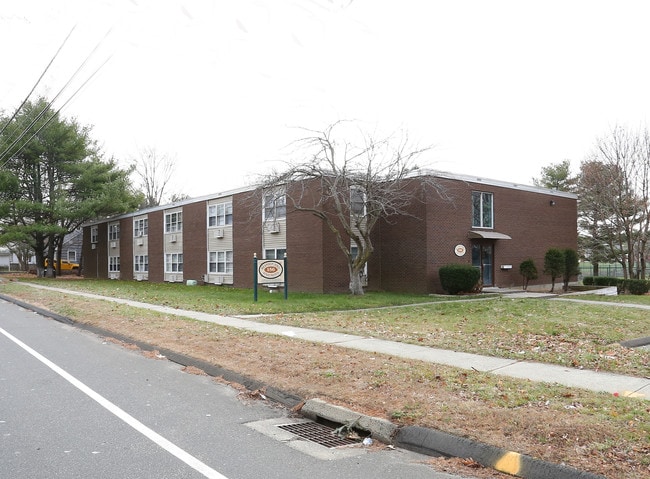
{"x": 305, "y": 251}
{"x": 89, "y": 256}
{"x": 194, "y": 241}
{"x": 403, "y": 248}
{"x": 525, "y": 216}
{"x": 409, "y": 249}
{"x": 247, "y": 236}
{"x": 126, "y": 248}
{"x": 155, "y": 242}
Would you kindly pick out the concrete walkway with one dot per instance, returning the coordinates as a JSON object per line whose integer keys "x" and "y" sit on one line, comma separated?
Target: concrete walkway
{"x": 572, "y": 377}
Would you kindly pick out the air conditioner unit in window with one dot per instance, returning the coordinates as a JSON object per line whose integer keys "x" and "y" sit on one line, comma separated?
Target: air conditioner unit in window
{"x": 173, "y": 238}
{"x": 274, "y": 228}
{"x": 113, "y": 244}
{"x": 139, "y": 242}
{"x": 218, "y": 233}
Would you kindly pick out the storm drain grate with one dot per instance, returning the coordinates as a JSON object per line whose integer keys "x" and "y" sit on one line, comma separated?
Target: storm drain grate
{"x": 319, "y": 433}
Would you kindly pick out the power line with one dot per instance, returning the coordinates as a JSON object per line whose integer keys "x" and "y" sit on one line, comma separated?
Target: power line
{"x": 26, "y": 130}
{"x": 47, "y": 122}
{"x": 37, "y": 82}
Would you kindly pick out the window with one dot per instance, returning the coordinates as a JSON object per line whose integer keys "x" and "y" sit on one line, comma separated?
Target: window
{"x": 94, "y": 234}
{"x": 277, "y": 253}
{"x": 141, "y": 263}
{"x": 113, "y": 264}
{"x": 357, "y": 202}
{"x": 174, "y": 263}
{"x": 72, "y": 256}
{"x": 174, "y": 222}
{"x": 220, "y": 215}
{"x": 141, "y": 227}
{"x": 220, "y": 262}
{"x": 113, "y": 231}
{"x": 482, "y": 210}
{"x": 275, "y": 206}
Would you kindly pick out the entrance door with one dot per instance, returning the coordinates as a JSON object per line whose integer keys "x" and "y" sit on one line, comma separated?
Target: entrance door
{"x": 483, "y": 258}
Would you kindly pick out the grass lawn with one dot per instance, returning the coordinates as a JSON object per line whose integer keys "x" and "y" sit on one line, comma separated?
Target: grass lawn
{"x": 558, "y": 332}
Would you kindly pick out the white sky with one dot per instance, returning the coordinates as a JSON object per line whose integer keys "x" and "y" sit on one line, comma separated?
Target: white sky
{"x": 499, "y": 88}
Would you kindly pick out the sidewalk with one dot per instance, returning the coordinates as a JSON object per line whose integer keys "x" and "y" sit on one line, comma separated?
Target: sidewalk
{"x": 571, "y": 377}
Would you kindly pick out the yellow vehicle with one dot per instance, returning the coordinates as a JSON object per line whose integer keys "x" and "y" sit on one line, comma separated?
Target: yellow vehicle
{"x": 65, "y": 265}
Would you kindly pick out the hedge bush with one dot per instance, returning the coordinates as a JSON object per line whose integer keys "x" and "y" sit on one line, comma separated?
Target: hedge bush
{"x": 634, "y": 286}
{"x": 623, "y": 286}
{"x": 600, "y": 281}
{"x": 459, "y": 278}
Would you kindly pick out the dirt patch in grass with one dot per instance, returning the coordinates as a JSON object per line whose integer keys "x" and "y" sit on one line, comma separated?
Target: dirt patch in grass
{"x": 592, "y": 432}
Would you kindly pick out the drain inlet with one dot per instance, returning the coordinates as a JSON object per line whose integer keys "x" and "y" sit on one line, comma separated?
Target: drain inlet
{"x": 319, "y": 433}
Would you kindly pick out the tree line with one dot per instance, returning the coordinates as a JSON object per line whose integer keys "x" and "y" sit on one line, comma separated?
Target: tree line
{"x": 54, "y": 177}
{"x": 613, "y": 188}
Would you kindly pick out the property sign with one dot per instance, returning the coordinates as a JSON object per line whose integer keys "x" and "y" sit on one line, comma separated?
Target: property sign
{"x": 270, "y": 271}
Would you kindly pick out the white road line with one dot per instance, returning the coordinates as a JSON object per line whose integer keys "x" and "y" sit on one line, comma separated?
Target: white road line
{"x": 184, "y": 456}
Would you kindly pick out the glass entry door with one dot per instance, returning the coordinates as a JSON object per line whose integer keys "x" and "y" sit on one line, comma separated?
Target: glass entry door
{"x": 483, "y": 258}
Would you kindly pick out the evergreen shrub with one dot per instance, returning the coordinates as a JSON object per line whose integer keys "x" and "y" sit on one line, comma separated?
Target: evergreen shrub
{"x": 459, "y": 278}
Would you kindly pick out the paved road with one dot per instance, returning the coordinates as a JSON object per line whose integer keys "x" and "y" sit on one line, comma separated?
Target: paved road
{"x": 75, "y": 406}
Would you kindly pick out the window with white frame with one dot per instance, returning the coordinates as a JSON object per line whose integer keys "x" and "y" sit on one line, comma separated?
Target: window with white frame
{"x": 94, "y": 234}
{"x": 113, "y": 264}
{"x": 275, "y": 205}
{"x": 72, "y": 256}
{"x": 220, "y": 214}
{"x": 277, "y": 253}
{"x": 174, "y": 263}
{"x": 141, "y": 227}
{"x": 482, "y": 210}
{"x": 113, "y": 231}
{"x": 141, "y": 263}
{"x": 174, "y": 222}
{"x": 220, "y": 262}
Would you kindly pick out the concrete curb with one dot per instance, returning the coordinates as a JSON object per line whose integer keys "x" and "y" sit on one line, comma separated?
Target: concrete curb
{"x": 380, "y": 429}
{"x": 432, "y": 442}
{"x": 438, "y": 443}
{"x": 418, "y": 439}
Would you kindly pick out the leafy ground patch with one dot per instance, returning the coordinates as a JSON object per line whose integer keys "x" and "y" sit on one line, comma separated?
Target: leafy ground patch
{"x": 590, "y": 431}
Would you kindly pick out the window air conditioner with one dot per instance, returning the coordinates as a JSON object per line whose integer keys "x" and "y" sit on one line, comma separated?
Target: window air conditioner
{"x": 113, "y": 244}
{"x": 218, "y": 233}
{"x": 173, "y": 239}
{"x": 274, "y": 228}
{"x": 139, "y": 242}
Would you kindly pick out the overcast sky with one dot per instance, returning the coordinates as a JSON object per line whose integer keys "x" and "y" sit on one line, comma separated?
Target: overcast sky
{"x": 499, "y": 88}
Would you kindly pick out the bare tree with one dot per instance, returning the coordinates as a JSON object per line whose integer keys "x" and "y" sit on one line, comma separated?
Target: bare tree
{"x": 154, "y": 170}
{"x": 357, "y": 184}
{"x": 614, "y": 197}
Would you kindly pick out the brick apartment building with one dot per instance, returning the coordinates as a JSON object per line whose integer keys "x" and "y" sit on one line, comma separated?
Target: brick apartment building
{"x": 490, "y": 224}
